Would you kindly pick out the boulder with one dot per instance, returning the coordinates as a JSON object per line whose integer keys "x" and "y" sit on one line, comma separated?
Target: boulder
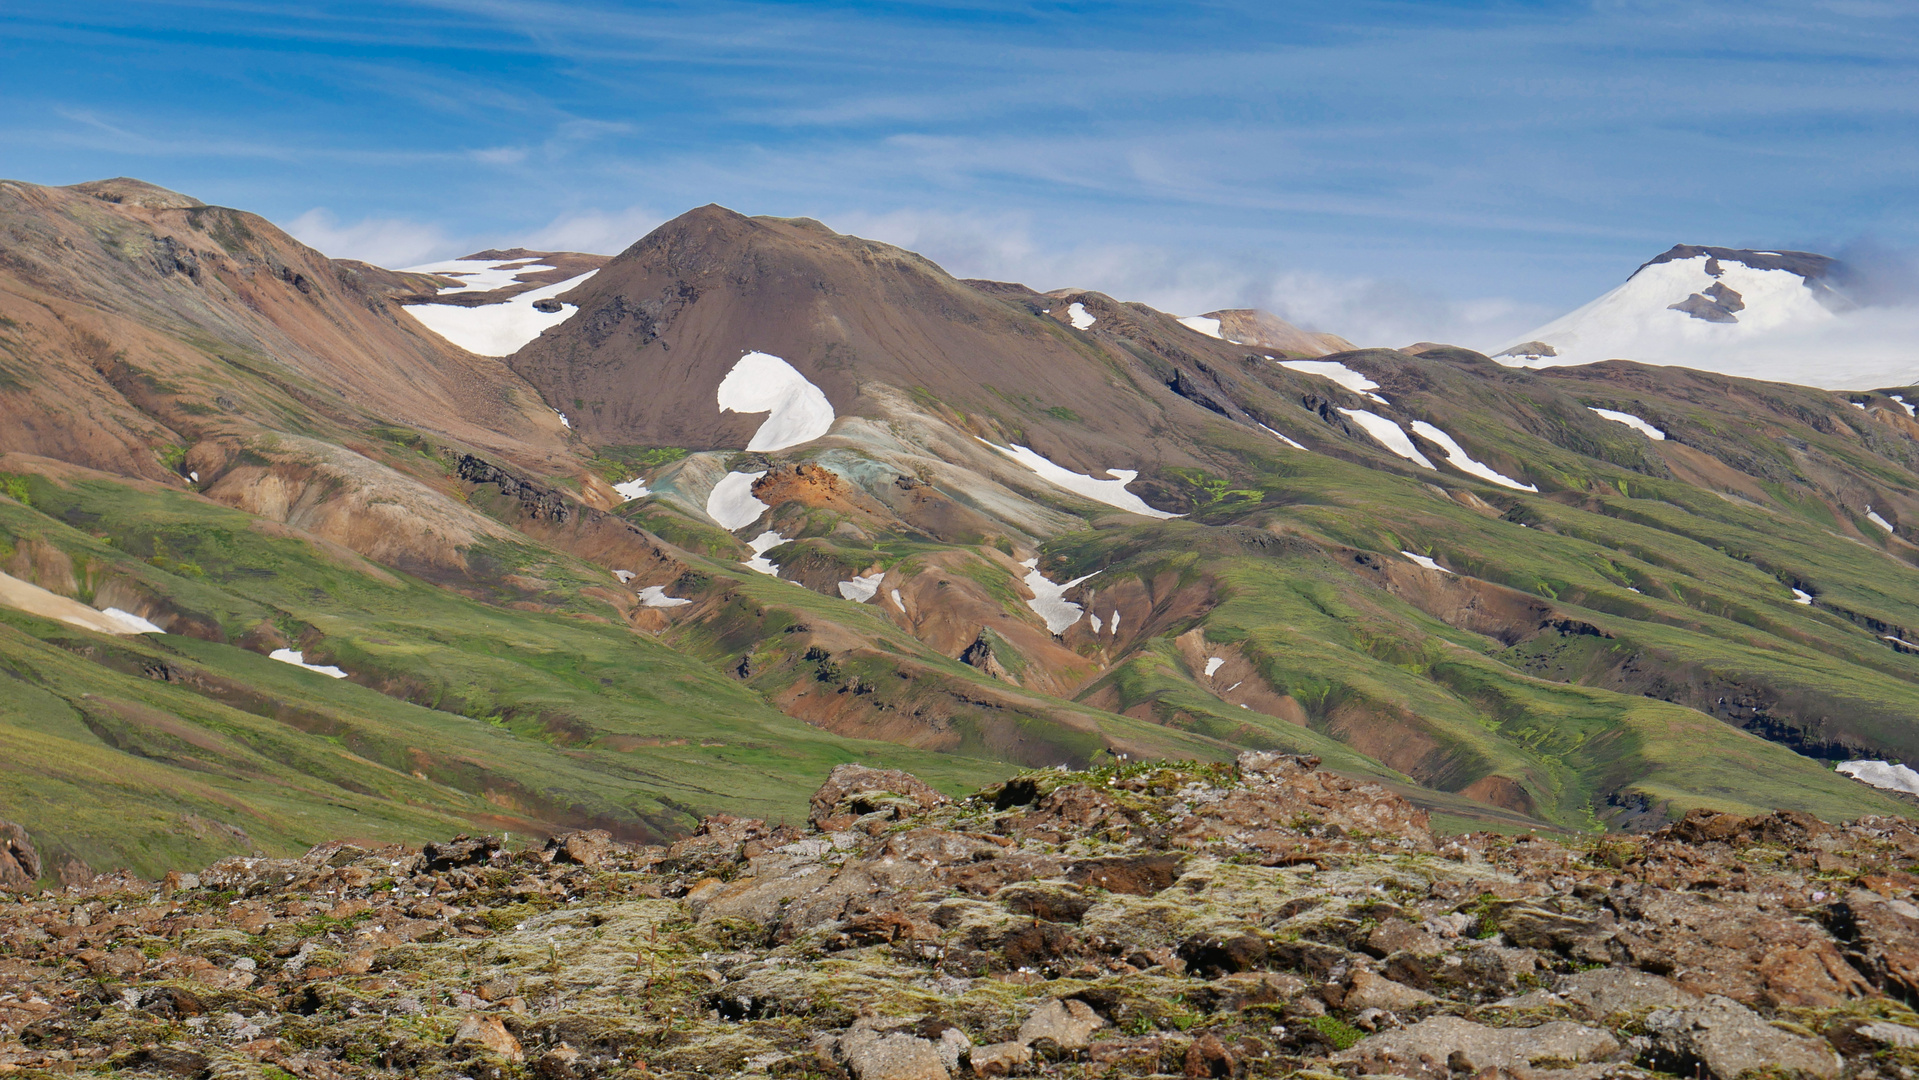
{"x": 488, "y": 1033}
{"x": 999, "y": 1059}
{"x": 872, "y": 1053}
{"x": 587, "y": 847}
{"x": 1437, "y": 1048}
{"x": 1726, "y": 1040}
{"x": 462, "y": 850}
{"x": 1069, "y": 1024}
{"x": 853, "y": 791}
{"x": 1370, "y": 991}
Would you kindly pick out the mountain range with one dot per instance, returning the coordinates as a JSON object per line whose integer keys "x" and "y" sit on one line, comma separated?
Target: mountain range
{"x": 301, "y": 549}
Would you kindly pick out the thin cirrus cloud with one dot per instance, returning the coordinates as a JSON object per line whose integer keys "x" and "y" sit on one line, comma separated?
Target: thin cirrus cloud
{"x": 1384, "y": 170}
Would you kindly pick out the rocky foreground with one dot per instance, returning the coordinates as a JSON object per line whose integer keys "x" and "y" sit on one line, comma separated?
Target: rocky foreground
{"x": 1262, "y": 919}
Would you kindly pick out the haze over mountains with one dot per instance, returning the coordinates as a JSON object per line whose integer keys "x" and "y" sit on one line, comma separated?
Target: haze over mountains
{"x": 623, "y": 541}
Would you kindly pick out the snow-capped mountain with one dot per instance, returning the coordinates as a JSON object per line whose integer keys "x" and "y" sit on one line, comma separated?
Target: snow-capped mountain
{"x": 1757, "y": 314}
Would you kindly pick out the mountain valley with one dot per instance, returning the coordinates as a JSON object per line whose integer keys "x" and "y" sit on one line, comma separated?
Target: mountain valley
{"x": 621, "y": 543}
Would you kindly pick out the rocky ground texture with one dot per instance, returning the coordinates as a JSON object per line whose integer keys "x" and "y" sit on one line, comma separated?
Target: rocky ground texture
{"x": 1258, "y": 919}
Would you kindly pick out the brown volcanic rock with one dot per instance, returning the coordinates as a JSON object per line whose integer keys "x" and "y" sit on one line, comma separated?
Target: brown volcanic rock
{"x": 665, "y": 321}
{"x": 941, "y": 931}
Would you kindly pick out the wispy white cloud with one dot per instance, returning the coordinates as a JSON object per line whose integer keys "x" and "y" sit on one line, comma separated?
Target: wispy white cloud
{"x": 381, "y": 241}
{"x": 601, "y": 232}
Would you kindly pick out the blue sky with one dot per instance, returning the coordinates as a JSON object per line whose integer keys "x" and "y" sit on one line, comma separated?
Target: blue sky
{"x": 1391, "y": 171}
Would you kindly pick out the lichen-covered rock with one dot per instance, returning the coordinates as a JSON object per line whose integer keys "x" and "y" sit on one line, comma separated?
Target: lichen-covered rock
{"x": 487, "y": 1032}
{"x": 872, "y": 1053}
{"x": 1068, "y": 1024}
{"x": 1143, "y": 920}
{"x": 1370, "y": 991}
{"x": 853, "y": 791}
{"x": 1439, "y": 1047}
{"x": 999, "y": 1059}
{"x": 1728, "y": 1040}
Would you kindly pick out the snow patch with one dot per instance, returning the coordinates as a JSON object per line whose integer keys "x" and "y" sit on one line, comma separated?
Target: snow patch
{"x": 1457, "y": 457}
{"x": 624, "y": 576}
{"x": 1632, "y": 422}
{"x": 861, "y": 589}
{"x": 1882, "y": 774}
{"x": 1049, "y": 600}
{"x": 1115, "y": 622}
{"x": 762, "y": 382}
{"x": 1337, "y": 372}
{"x": 1877, "y": 520}
{"x": 497, "y": 329}
{"x": 195, "y": 477}
{"x": 1209, "y": 327}
{"x": 298, "y": 659}
{"x": 655, "y": 596}
{"x": 134, "y": 624}
{"x": 897, "y": 602}
{"x": 564, "y": 422}
{"x": 731, "y": 502}
{"x": 1425, "y": 561}
{"x": 1388, "y": 434}
{"x": 1081, "y": 318}
{"x": 1801, "y": 596}
{"x": 634, "y": 489}
{"x": 1214, "y": 663}
{"x": 1094, "y": 619}
{"x": 479, "y": 275}
{"x": 1902, "y": 641}
{"x": 762, "y": 544}
{"x": 1282, "y": 438}
{"x": 1906, "y": 405}
{"x": 1110, "y": 492}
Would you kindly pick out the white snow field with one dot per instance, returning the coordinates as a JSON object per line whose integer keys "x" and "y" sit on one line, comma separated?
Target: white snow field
{"x": 479, "y": 275}
{"x": 655, "y": 596}
{"x": 298, "y": 659}
{"x": 1783, "y": 333}
{"x": 1881, "y": 774}
{"x": 1632, "y": 422}
{"x": 731, "y": 503}
{"x": 1801, "y": 596}
{"x": 762, "y": 544}
{"x": 1425, "y": 561}
{"x": 1903, "y": 403}
{"x": 132, "y": 624}
{"x": 1094, "y": 619}
{"x": 1873, "y": 516}
{"x": 1282, "y": 438}
{"x": 1114, "y": 622}
{"x": 633, "y": 489}
{"x": 624, "y": 576}
{"x": 1110, "y": 492}
{"x": 1388, "y": 434}
{"x": 497, "y": 329}
{"x": 1080, "y": 317}
{"x": 1049, "y": 601}
{"x": 1214, "y": 663}
{"x": 1337, "y": 372}
{"x": 1457, "y": 457}
{"x": 897, "y": 602}
{"x": 1209, "y": 327}
{"x": 861, "y": 589}
{"x": 762, "y": 382}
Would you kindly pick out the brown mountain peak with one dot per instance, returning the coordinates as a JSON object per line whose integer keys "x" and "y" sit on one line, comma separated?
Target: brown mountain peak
{"x": 127, "y": 191}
